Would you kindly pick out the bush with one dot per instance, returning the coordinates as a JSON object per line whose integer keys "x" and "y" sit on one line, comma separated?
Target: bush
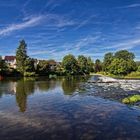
{"x": 29, "y": 74}
{"x": 133, "y": 75}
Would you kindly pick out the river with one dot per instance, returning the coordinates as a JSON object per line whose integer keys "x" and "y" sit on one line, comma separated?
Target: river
{"x": 66, "y": 108}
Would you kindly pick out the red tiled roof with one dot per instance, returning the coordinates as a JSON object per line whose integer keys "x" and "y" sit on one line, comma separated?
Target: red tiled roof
{"x": 9, "y": 58}
{"x": 51, "y": 62}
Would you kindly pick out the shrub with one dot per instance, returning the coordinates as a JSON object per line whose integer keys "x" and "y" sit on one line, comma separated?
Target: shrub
{"x": 29, "y": 74}
{"x": 133, "y": 75}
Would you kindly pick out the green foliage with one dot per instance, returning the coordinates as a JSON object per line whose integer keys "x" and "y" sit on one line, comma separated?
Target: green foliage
{"x": 29, "y": 65}
{"x": 70, "y": 64}
{"x": 108, "y": 58}
{"x": 124, "y": 54}
{"x": 59, "y": 70}
{"x": 90, "y": 64}
{"x": 85, "y": 64}
{"x": 21, "y": 56}
{"x": 98, "y": 65}
{"x": 135, "y": 74}
{"x": 118, "y": 67}
{"x": 43, "y": 67}
{"x": 131, "y": 99}
{"x": 138, "y": 69}
{"x": 29, "y": 74}
{"x": 121, "y": 63}
{"x": 121, "y": 66}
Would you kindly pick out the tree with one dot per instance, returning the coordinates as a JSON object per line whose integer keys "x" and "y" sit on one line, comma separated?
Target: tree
{"x": 90, "y": 64}
{"x": 29, "y": 65}
{"x": 108, "y": 58}
{"x": 124, "y": 54}
{"x": 3, "y": 66}
{"x": 21, "y": 56}
{"x": 70, "y": 64}
{"x": 98, "y": 65}
{"x": 121, "y": 66}
{"x": 43, "y": 67}
{"x": 118, "y": 67}
{"x": 83, "y": 64}
{"x": 131, "y": 65}
{"x": 124, "y": 62}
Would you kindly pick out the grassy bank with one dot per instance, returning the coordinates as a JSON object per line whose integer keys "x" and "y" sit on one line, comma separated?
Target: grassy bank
{"x": 135, "y": 75}
{"x": 132, "y": 75}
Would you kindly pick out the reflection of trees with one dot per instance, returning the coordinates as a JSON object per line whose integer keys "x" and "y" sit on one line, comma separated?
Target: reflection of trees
{"x": 43, "y": 86}
{"x": 46, "y": 85}
{"x": 1, "y": 89}
{"x": 70, "y": 84}
{"x": 23, "y": 89}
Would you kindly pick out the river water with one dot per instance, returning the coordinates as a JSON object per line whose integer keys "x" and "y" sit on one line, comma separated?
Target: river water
{"x": 66, "y": 108}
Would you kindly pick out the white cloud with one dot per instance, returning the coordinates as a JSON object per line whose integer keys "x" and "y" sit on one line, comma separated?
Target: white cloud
{"x": 128, "y": 44}
{"x": 84, "y": 22}
{"x": 86, "y": 41}
{"x": 33, "y": 21}
{"x": 67, "y": 48}
{"x": 58, "y": 21}
{"x": 130, "y": 6}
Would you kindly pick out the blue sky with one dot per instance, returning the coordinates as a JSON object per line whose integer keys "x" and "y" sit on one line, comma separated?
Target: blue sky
{"x": 54, "y": 28}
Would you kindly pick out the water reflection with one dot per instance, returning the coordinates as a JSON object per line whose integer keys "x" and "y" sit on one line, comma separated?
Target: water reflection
{"x": 24, "y": 87}
{"x": 52, "y": 111}
{"x": 70, "y": 84}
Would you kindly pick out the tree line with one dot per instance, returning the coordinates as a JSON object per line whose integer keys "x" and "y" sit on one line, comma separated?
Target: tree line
{"x": 118, "y": 63}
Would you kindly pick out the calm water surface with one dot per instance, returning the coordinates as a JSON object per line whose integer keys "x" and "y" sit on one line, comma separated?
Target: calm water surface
{"x": 65, "y": 109}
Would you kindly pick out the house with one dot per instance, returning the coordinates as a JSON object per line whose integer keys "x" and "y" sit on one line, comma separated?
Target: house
{"x": 11, "y": 61}
{"x": 53, "y": 64}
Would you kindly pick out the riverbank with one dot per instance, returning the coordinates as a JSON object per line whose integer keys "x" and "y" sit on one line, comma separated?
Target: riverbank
{"x": 131, "y": 76}
{"x": 129, "y": 88}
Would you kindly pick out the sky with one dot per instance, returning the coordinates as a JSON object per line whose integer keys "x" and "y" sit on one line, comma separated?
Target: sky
{"x": 54, "y": 28}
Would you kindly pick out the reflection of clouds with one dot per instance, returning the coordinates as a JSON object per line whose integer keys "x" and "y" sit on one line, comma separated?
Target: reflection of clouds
{"x": 81, "y": 117}
{"x": 24, "y": 120}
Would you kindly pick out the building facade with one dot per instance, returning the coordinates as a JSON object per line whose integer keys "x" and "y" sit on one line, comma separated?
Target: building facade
{"x": 11, "y": 61}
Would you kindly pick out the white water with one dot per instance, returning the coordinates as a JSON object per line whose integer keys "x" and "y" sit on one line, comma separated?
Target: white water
{"x": 124, "y": 84}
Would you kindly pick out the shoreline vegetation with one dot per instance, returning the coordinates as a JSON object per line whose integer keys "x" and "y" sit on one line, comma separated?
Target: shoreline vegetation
{"x": 120, "y": 65}
{"x": 132, "y": 75}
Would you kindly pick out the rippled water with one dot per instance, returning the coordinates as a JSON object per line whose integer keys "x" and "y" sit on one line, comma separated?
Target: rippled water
{"x": 66, "y": 109}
